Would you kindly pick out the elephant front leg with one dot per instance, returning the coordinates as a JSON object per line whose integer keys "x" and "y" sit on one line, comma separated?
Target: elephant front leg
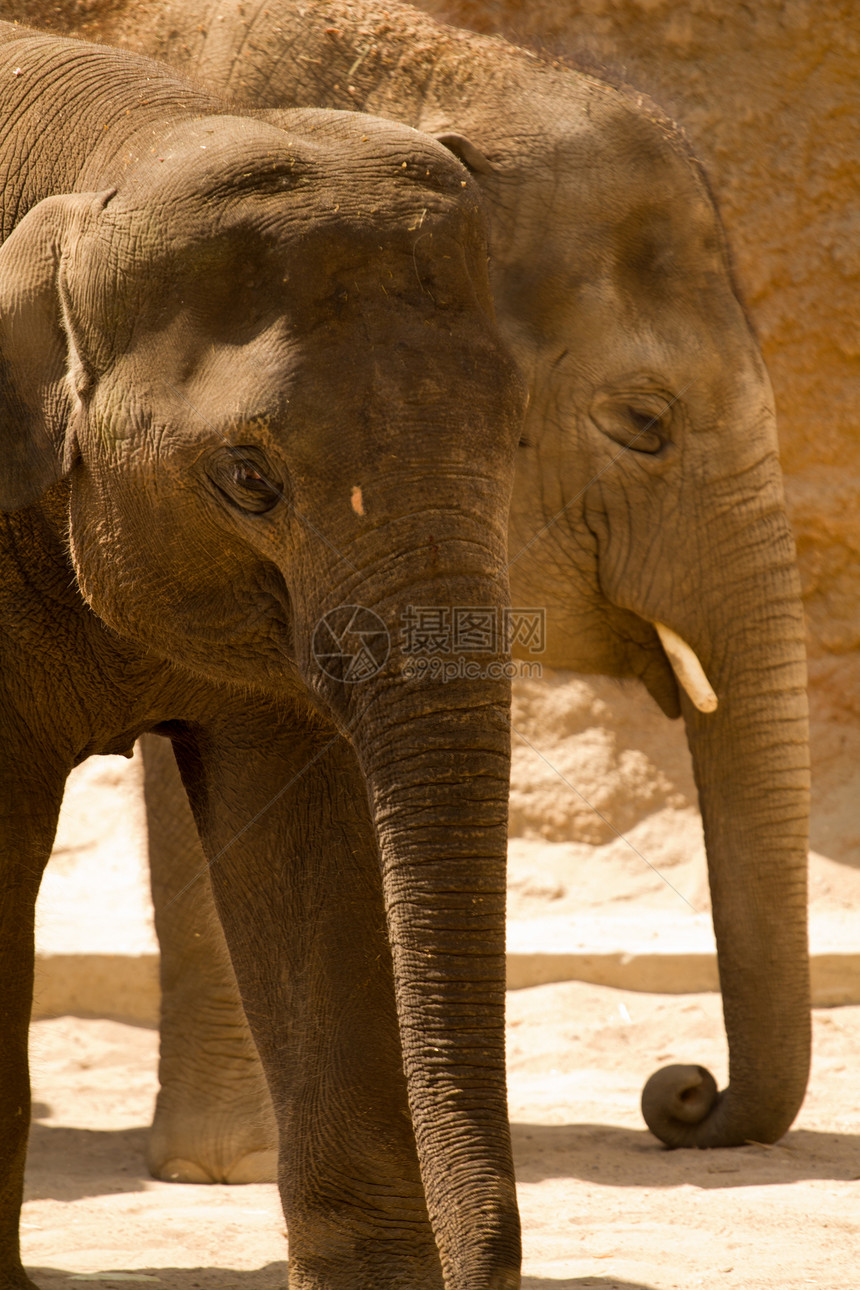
{"x": 213, "y": 1117}
{"x": 299, "y": 896}
{"x": 28, "y": 822}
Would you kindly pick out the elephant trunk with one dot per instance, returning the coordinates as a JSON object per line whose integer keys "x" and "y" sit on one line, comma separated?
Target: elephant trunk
{"x": 751, "y": 762}
{"x": 435, "y": 754}
{"x": 439, "y": 797}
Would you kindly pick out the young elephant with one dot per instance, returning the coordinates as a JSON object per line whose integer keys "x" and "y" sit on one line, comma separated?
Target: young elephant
{"x": 231, "y": 460}
{"x": 648, "y": 493}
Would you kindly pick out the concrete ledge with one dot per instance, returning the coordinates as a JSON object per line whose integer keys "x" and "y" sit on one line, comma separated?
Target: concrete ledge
{"x": 835, "y": 978}
{"x": 125, "y": 987}
{"x": 652, "y": 973}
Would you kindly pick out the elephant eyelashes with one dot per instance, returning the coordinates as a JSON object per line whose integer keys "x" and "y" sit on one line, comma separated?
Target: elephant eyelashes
{"x": 245, "y": 478}
{"x": 643, "y": 424}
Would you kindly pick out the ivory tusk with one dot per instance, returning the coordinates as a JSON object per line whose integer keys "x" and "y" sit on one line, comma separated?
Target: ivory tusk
{"x": 688, "y": 670}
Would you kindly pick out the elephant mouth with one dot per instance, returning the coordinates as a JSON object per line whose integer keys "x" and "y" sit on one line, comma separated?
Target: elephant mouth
{"x": 667, "y": 665}
{"x": 651, "y": 665}
{"x": 663, "y": 661}
{"x": 689, "y": 673}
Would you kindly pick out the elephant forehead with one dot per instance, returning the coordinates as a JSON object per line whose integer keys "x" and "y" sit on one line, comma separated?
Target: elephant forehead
{"x": 193, "y": 177}
{"x": 638, "y": 253}
{"x": 235, "y": 276}
{"x": 293, "y": 233}
{"x": 601, "y": 177}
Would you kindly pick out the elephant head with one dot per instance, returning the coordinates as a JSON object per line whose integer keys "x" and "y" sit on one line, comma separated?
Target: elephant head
{"x": 648, "y": 517}
{"x": 269, "y": 368}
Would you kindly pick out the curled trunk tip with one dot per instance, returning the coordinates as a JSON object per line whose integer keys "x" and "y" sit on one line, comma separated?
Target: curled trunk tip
{"x": 676, "y": 1097}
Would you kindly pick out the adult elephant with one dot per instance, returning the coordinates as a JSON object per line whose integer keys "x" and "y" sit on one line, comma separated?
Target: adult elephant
{"x": 648, "y": 493}
{"x": 248, "y": 418}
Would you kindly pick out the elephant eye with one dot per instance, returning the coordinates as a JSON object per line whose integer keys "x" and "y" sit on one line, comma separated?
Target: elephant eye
{"x": 642, "y": 423}
{"x": 644, "y": 431}
{"x": 246, "y": 479}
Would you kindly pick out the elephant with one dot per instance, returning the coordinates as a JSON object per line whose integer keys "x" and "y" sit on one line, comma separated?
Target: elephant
{"x": 648, "y": 515}
{"x": 250, "y": 417}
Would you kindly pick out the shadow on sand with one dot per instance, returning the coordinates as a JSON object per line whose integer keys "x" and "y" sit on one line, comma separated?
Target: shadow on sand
{"x": 69, "y": 1164}
{"x": 633, "y": 1158}
{"x": 582, "y": 1283}
{"x": 271, "y": 1277}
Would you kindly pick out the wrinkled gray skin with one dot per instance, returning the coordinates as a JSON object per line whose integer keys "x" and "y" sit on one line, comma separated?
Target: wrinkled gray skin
{"x": 613, "y": 289}
{"x": 213, "y": 330}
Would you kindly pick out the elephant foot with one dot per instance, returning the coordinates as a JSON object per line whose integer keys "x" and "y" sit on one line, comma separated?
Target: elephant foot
{"x": 365, "y": 1269}
{"x": 214, "y": 1144}
{"x": 15, "y": 1278}
{"x": 255, "y": 1167}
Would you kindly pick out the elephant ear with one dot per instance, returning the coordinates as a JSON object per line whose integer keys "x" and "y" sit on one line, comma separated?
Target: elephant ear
{"x": 472, "y": 158}
{"x": 42, "y": 373}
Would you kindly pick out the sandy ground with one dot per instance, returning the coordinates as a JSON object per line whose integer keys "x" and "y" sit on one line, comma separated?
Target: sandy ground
{"x": 603, "y": 1204}
{"x": 605, "y": 823}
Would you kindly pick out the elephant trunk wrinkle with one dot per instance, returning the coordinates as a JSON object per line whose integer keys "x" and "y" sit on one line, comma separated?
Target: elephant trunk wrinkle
{"x": 688, "y": 670}
{"x": 438, "y": 789}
